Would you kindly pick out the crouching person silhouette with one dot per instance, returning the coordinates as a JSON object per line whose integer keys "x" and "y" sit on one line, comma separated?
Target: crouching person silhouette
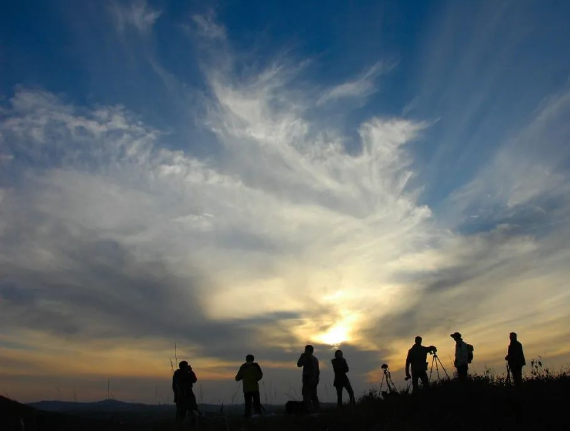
{"x": 182, "y": 382}
{"x": 250, "y": 374}
{"x": 417, "y": 359}
{"x": 311, "y": 376}
{"x": 340, "y": 367}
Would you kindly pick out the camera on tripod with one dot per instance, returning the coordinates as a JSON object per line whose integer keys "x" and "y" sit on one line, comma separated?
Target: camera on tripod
{"x": 387, "y": 376}
{"x": 437, "y": 362}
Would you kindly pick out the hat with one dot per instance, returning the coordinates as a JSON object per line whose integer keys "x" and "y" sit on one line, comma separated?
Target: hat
{"x": 455, "y": 335}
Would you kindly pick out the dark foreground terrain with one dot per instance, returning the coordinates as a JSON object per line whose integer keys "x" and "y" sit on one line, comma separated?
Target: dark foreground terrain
{"x": 485, "y": 403}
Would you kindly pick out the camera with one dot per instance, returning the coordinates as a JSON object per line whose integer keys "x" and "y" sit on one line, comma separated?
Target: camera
{"x": 384, "y": 366}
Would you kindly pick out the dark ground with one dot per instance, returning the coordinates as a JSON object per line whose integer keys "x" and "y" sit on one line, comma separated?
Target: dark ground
{"x": 485, "y": 403}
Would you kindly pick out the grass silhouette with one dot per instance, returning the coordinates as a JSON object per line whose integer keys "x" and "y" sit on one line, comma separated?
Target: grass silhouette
{"x": 485, "y": 402}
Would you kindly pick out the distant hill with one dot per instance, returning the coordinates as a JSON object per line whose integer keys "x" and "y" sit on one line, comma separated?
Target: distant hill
{"x": 19, "y": 417}
{"x": 115, "y": 406}
{"x": 107, "y": 406}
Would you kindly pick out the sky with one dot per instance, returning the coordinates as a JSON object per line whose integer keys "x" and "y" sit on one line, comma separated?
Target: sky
{"x": 236, "y": 177}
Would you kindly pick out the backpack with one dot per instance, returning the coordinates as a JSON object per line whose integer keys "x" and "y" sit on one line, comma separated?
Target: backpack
{"x": 470, "y": 349}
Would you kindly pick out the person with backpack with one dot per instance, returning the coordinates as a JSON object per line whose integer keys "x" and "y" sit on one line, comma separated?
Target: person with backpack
{"x": 311, "y": 377}
{"x": 340, "y": 368}
{"x": 182, "y": 382}
{"x": 417, "y": 359}
{"x": 463, "y": 356}
{"x": 515, "y": 358}
{"x": 250, "y": 374}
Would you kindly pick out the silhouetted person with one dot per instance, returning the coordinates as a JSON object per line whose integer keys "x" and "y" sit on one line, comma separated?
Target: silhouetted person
{"x": 311, "y": 376}
{"x": 417, "y": 360}
{"x": 462, "y": 356}
{"x": 341, "y": 381}
{"x": 250, "y": 373}
{"x": 182, "y": 382}
{"x": 515, "y": 358}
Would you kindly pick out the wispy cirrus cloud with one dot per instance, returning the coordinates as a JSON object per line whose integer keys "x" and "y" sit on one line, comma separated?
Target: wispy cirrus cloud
{"x": 527, "y": 175}
{"x": 272, "y": 218}
{"x": 208, "y": 27}
{"x": 136, "y": 13}
{"x": 359, "y": 88}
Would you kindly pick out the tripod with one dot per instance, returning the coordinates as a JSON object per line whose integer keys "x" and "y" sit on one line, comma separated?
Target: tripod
{"x": 435, "y": 360}
{"x": 508, "y": 381}
{"x": 388, "y": 377}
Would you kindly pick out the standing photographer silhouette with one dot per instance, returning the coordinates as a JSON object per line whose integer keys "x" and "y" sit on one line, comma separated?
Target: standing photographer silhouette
{"x": 417, "y": 360}
{"x": 311, "y": 377}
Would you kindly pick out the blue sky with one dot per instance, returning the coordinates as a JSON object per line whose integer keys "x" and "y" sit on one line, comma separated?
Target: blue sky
{"x": 266, "y": 174}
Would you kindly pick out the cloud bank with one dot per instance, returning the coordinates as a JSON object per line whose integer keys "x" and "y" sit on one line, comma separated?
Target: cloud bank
{"x": 114, "y": 245}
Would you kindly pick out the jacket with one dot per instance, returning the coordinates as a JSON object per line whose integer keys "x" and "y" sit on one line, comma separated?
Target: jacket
{"x": 310, "y": 366}
{"x": 515, "y": 355}
{"x": 417, "y": 358}
{"x": 461, "y": 354}
{"x": 340, "y": 368}
{"x": 182, "y": 382}
{"x": 250, "y": 373}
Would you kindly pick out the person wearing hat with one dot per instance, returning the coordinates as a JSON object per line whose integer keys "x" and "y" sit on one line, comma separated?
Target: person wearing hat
{"x": 515, "y": 358}
{"x": 462, "y": 357}
{"x": 182, "y": 382}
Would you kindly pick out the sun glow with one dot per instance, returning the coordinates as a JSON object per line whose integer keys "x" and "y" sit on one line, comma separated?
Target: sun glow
{"x": 341, "y": 331}
{"x": 335, "y": 335}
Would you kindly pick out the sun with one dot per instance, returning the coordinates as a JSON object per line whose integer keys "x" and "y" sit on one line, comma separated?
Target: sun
{"x": 336, "y": 335}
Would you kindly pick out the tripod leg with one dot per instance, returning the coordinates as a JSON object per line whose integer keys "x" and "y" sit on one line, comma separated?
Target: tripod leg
{"x": 442, "y": 367}
{"x": 389, "y": 382}
{"x": 431, "y": 369}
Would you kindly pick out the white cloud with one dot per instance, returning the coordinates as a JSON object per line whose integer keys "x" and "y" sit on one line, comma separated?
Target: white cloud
{"x": 136, "y": 13}
{"x": 209, "y": 28}
{"x": 529, "y": 170}
{"x": 361, "y": 87}
{"x": 411, "y": 105}
{"x": 284, "y": 206}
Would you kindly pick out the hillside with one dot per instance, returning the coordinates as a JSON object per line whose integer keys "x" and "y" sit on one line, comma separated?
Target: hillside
{"x": 19, "y": 417}
{"x": 485, "y": 403}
